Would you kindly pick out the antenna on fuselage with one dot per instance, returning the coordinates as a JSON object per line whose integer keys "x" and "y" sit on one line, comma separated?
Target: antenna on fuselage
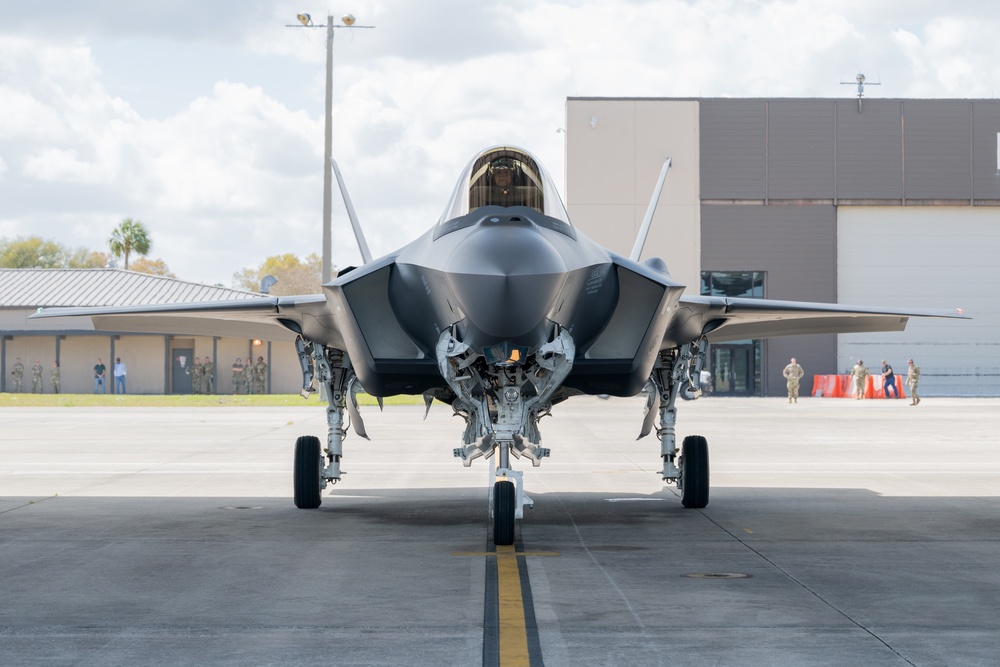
{"x": 640, "y": 240}
{"x": 366, "y": 254}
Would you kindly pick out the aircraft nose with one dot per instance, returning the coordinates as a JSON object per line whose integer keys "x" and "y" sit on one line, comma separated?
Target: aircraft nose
{"x": 506, "y": 278}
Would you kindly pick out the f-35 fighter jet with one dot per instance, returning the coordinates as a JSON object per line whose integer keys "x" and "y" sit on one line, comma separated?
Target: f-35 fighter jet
{"x": 502, "y": 310}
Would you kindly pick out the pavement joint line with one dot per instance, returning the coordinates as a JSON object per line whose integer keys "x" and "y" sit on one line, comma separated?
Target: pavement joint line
{"x": 29, "y": 503}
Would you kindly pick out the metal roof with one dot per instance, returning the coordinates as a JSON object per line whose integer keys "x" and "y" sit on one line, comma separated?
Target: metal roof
{"x": 47, "y": 288}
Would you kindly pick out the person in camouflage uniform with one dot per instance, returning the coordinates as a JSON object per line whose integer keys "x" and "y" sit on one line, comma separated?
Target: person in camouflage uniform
{"x": 36, "y": 378}
{"x": 793, "y": 373}
{"x": 208, "y": 377}
{"x": 197, "y": 375}
{"x": 260, "y": 376}
{"x": 237, "y": 375}
{"x": 246, "y": 385}
{"x": 860, "y": 375}
{"x": 54, "y": 377}
{"x": 913, "y": 380}
{"x": 17, "y": 375}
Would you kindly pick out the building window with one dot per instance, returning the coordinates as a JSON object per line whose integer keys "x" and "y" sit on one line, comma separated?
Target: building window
{"x": 746, "y": 284}
{"x": 735, "y": 366}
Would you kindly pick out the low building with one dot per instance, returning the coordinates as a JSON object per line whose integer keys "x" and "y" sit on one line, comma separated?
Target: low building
{"x": 157, "y": 363}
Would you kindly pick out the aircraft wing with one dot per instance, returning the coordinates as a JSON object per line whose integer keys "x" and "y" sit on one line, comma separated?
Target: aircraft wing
{"x": 723, "y": 319}
{"x": 271, "y": 317}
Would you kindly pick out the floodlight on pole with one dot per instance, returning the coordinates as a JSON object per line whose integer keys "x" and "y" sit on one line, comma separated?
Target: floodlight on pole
{"x": 348, "y": 21}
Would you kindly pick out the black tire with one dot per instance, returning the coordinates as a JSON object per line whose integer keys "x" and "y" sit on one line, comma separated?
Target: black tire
{"x": 504, "y": 500}
{"x": 308, "y": 462}
{"x": 694, "y": 472}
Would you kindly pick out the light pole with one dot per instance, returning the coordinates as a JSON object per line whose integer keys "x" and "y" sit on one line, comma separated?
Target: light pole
{"x": 305, "y": 21}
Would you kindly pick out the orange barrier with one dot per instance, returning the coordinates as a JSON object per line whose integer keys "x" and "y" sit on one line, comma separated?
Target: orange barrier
{"x": 842, "y": 386}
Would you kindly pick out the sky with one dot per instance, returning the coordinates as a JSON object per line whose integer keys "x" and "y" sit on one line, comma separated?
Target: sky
{"x": 204, "y": 120}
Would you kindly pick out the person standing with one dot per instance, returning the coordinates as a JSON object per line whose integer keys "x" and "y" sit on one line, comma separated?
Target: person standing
{"x": 912, "y": 380}
{"x": 120, "y": 372}
{"x": 36, "y": 378}
{"x": 793, "y": 373}
{"x": 247, "y": 383}
{"x": 99, "y": 372}
{"x": 237, "y": 376}
{"x": 860, "y": 375}
{"x": 197, "y": 372}
{"x": 260, "y": 376}
{"x": 888, "y": 380}
{"x": 208, "y": 377}
{"x": 17, "y": 375}
{"x": 54, "y": 377}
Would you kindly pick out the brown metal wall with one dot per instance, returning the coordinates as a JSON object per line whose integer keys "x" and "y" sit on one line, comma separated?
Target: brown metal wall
{"x": 796, "y": 247}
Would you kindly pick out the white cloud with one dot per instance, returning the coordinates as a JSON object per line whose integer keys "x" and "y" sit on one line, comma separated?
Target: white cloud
{"x": 226, "y": 170}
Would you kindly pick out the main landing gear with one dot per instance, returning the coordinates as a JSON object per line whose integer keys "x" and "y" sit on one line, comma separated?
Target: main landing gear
{"x": 686, "y": 466}
{"x": 316, "y": 468}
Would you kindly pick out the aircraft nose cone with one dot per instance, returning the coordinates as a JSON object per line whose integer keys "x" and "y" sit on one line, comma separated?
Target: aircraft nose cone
{"x": 506, "y": 279}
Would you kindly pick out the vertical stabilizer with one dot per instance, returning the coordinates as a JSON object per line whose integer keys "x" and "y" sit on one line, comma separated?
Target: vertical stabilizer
{"x": 640, "y": 240}
{"x": 366, "y": 254}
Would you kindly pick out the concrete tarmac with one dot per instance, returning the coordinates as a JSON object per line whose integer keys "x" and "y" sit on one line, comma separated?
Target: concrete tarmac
{"x": 839, "y": 532}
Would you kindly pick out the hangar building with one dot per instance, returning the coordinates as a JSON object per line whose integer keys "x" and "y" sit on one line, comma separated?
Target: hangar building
{"x": 892, "y": 203}
{"x": 157, "y": 363}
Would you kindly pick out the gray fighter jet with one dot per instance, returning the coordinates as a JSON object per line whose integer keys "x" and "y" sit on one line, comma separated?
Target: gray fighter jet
{"x": 502, "y": 310}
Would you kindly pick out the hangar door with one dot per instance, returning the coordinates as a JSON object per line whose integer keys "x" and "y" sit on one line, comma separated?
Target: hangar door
{"x": 925, "y": 257}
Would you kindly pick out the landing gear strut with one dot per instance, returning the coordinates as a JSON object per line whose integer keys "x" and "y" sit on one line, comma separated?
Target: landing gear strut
{"x": 686, "y": 467}
{"x": 315, "y": 469}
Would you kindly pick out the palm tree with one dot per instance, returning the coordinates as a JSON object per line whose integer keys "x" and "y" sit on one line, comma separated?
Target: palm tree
{"x": 128, "y": 237}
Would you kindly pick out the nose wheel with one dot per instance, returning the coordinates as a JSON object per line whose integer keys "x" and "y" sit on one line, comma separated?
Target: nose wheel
{"x": 504, "y": 511}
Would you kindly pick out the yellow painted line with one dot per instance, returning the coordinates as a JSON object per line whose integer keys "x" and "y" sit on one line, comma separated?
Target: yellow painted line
{"x": 530, "y": 554}
{"x": 513, "y": 630}
{"x": 513, "y": 638}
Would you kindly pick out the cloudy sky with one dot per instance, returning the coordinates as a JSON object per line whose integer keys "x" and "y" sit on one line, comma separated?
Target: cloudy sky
{"x": 205, "y": 119}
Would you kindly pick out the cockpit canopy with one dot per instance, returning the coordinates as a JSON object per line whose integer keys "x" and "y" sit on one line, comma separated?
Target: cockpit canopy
{"x": 505, "y": 176}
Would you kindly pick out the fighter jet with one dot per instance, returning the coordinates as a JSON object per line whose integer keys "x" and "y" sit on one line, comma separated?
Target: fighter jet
{"x": 502, "y": 310}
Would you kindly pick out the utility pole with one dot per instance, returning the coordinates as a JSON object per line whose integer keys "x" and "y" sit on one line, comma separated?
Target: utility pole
{"x": 348, "y": 22}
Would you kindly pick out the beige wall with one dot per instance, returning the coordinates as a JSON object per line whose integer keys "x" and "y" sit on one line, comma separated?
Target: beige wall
{"x": 286, "y": 373}
{"x": 615, "y": 150}
{"x": 77, "y": 357}
{"x": 143, "y": 357}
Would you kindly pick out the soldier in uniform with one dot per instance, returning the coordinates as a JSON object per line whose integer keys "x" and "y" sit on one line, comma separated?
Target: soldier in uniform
{"x": 36, "y": 378}
{"x": 247, "y": 383}
{"x": 260, "y": 376}
{"x": 197, "y": 373}
{"x": 54, "y": 377}
{"x": 912, "y": 380}
{"x": 208, "y": 369}
{"x": 17, "y": 374}
{"x": 237, "y": 376}
{"x": 860, "y": 375}
{"x": 793, "y": 373}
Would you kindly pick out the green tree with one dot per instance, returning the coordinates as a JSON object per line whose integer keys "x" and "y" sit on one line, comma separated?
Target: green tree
{"x": 154, "y": 267}
{"x": 31, "y": 252}
{"x": 83, "y": 258}
{"x": 294, "y": 276}
{"x": 34, "y": 252}
{"x": 128, "y": 237}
